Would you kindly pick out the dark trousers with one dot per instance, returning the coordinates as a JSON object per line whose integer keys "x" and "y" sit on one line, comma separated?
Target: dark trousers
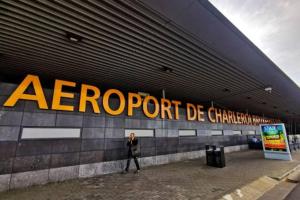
{"x": 130, "y": 156}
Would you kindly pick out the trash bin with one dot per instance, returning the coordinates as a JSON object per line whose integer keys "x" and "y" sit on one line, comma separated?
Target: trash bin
{"x": 209, "y": 155}
{"x": 219, "y": 157}
{"x": 215, "y": 157}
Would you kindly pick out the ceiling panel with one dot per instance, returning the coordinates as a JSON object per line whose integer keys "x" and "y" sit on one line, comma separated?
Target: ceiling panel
{"x": 125, "y": 44}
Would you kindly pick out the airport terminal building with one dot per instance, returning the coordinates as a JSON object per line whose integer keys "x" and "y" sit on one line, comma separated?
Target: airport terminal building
{"x": 76, "y": 77}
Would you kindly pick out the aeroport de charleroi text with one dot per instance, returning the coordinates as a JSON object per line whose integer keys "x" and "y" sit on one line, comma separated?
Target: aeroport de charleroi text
{"x": 194, "y": 112}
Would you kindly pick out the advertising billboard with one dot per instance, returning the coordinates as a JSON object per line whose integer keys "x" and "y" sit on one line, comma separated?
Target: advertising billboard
{"x": 275, "y": 141}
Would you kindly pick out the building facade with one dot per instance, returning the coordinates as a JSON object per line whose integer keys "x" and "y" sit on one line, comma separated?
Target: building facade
{"x": 202, "y": 80}
{"x": 100, "y": 147}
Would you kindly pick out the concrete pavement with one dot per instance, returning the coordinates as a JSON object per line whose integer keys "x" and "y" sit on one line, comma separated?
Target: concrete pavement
{"x": 295, "y": 194}
{"x": 190, "y": 179}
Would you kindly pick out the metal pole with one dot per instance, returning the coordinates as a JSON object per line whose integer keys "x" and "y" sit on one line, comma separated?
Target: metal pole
{"x": 295, "y": 126}
{"x": 164, "y": 96}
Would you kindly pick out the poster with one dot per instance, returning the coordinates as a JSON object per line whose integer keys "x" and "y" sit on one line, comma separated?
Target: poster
{"x": 274, "y": 138}
{"x": 275, "y": 143}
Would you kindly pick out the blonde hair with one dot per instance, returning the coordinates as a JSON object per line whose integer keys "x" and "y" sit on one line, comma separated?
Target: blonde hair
{"x": 132, "y": 134}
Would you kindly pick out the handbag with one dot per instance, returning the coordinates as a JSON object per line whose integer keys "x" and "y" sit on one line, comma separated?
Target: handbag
{"x": 135, "y": 152}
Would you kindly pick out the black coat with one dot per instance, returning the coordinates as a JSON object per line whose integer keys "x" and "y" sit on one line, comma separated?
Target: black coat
{"x": 132, "y": 145}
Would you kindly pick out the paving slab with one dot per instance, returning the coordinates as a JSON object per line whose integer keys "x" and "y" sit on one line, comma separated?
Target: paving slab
{"x": 294, "y": 194}
{"x": 253, "y": 190}
{"x": 190, "y": 179}
{"x": 294, "y": 177}
{"x": 279, "y": 192}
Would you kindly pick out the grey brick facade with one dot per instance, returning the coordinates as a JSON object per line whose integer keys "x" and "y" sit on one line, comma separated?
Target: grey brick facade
{"x": 102, "y": 141}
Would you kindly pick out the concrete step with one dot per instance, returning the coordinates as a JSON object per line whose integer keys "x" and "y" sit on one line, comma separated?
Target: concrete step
{"x": 288, "y": 173}
{"x": 294, "y": 177}
{"x": 266, "y": 188}
{"x": 253, "y": 190}
{"x": 279, "y": 192}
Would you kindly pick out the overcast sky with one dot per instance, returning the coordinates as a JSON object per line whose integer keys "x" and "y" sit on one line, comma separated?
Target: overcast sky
{"x": 272, "y": 25}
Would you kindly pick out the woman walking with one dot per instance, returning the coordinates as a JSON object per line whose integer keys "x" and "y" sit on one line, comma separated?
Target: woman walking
{"x": 132, "y": 145}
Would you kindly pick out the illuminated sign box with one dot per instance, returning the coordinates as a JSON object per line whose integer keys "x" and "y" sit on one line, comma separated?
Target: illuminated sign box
{"x": 275, "y": 143}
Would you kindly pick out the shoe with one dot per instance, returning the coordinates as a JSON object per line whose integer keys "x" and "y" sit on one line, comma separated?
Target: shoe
{"x": 137, "y": 171}
{"x": 124, "y": 172}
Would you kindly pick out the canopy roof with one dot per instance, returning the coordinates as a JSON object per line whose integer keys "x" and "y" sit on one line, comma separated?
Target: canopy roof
{"x": 188, "y": 48}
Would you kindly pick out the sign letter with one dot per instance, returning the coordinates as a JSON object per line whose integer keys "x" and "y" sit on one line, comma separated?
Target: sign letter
{"x": 92, "y": 99}
{"x": 132, "y": 105}
{"x": 39, "y": 96}
{"x": 106, "y": 106}
{"x": 58, "y": 94}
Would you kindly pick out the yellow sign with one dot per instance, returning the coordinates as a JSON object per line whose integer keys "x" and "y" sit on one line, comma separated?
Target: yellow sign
{"x": 167, "y": 109}
{"x": 217, "y": 115}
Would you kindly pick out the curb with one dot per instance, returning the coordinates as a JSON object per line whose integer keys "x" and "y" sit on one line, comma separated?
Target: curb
{"x": 287, "y": 173}
{"x": 258, "y": 188}
{"x": 253, "y": 190}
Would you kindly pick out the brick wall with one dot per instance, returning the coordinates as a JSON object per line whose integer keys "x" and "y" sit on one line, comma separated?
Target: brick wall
{"x": 102, "y": 136}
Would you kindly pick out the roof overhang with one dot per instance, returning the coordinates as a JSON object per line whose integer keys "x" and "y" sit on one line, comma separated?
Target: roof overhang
{"x": 130, "y": 44}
